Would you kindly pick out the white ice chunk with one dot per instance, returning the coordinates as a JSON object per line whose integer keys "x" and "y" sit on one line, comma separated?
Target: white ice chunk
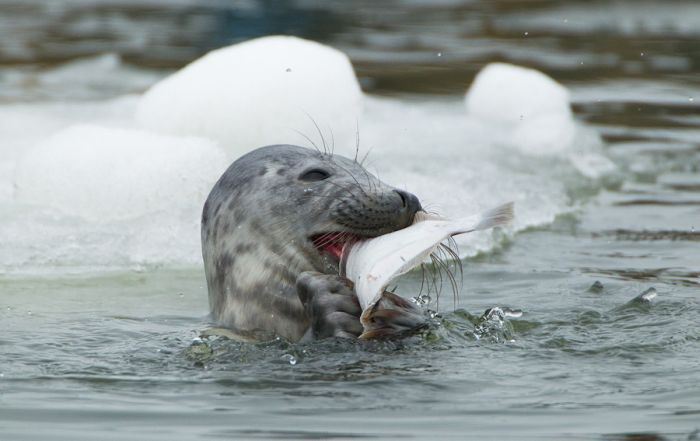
{"x": 106, "y": 174}
{"x": 530, "y": 112}
{"x": 546, "y": 135}
{"x": 509, "y": 94}
{"x": 259, "y": 92}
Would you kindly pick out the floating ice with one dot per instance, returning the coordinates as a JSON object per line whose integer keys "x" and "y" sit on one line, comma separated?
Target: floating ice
{"x": 510, "y": 94}
{"x": 545, "y": 135}
{"x": 104, "y": 174}
{"x": 532, "y": 114}
{"x": 528, "y": 108}
{"x": 259, "y": 92}
{"x": 94, "y": 198}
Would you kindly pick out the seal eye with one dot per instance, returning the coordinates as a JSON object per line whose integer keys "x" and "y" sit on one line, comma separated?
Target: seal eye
{"x": 315, "y": 174}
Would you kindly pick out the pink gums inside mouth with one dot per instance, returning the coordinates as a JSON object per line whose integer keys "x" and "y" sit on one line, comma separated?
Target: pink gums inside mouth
{"x": 334, "y": 243}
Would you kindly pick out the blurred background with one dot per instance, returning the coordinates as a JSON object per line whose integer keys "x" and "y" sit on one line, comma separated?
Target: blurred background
{"x": 395, "y": 46}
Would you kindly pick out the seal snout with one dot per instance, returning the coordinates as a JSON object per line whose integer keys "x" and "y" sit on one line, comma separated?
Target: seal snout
{"x": 410, "y": 205}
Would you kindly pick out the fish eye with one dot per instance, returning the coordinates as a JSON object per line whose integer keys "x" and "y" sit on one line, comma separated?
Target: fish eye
{"x": 315, "y": 174}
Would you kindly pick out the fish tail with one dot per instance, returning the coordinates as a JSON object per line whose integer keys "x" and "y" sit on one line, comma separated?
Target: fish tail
{"x": 496, "y": 217}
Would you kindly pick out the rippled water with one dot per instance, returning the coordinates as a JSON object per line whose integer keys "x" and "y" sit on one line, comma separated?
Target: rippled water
{"x": 98, "y": 347}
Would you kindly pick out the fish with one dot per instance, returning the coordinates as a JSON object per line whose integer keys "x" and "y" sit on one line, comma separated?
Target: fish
{"x": 372, "y": 264}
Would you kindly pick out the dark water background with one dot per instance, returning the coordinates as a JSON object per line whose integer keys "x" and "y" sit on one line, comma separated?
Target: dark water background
{"x": 116, "y": 356}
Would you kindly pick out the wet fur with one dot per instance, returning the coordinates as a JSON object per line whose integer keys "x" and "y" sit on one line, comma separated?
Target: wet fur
{"x": 256, "y": 225}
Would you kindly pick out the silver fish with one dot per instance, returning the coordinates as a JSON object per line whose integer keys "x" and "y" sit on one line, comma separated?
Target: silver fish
{"x": 373, "y": 263}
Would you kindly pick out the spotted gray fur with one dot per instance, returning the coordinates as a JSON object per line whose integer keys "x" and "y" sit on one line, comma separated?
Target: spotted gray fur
{"x": 256, "y": 228}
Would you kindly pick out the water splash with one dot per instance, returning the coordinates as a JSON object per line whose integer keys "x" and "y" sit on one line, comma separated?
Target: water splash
{"x": 421, "y": 299}
{"x": 494, "y": 325}
{"x": 289, "y": 358}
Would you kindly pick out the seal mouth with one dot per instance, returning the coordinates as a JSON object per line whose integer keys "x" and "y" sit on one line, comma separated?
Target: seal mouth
{"x": 334, "y": 243}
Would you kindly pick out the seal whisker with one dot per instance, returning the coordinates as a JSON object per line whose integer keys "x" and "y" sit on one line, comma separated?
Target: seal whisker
{"x": 326, "y": 239}
{"x": 357, "y": 139}
{"x": 422, "y": 279}
{"x": 347, "y": 189}
{"x": 353, "y": 178}
{"x": 320, "y": 133}
{"x": 308, "y": 139}
{"x": 329, "y": 238}
{"x": 440, "y": 259}
{"x": 452, "y": 249}
{"x": 437, "y": 274}
{"x": 368, "y": 177}
{"x": 364, "y": 158}
{"x": 445, "y": 258}
{"x": 332, "y": 140}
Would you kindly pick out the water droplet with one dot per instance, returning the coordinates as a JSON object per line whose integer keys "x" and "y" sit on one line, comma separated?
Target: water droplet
{"x": 29, "y": 312}
{"x": 290, "y": 359}
{"x": 691, "y": 99}
{"x": 566, "y": 20}
{"x": 641, "y": 54}
{"x": 526, "y": 33}
{"x": 512, "y": 313}
{"x": 422, "y": 299}
{"x": 181, "y": 295}
{"x": 439, "y": 54}
{"x": 289, "y": 69}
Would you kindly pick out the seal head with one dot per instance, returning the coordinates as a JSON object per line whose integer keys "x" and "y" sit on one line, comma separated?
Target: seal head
{"x": 283, "y": 211}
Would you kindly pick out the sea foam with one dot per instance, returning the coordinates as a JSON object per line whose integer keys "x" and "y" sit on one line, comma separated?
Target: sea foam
{"x": 104, "y": 174}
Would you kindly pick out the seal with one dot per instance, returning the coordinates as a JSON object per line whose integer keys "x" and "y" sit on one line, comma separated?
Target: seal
{"x": 273, "y": 231}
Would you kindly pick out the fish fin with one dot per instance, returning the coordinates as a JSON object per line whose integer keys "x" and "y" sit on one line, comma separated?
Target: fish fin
{"x": 496, "y": 217}
{"x": 392, "y": 317}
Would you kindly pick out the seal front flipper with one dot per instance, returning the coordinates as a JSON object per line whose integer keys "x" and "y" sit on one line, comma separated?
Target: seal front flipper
{"x": 392, "y": 316}
{"x": 330, "y": 304}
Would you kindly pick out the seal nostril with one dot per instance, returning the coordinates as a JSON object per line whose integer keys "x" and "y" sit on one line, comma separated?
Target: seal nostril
{"x": 410, "y": 204}
{"x": 404, "y": 201}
